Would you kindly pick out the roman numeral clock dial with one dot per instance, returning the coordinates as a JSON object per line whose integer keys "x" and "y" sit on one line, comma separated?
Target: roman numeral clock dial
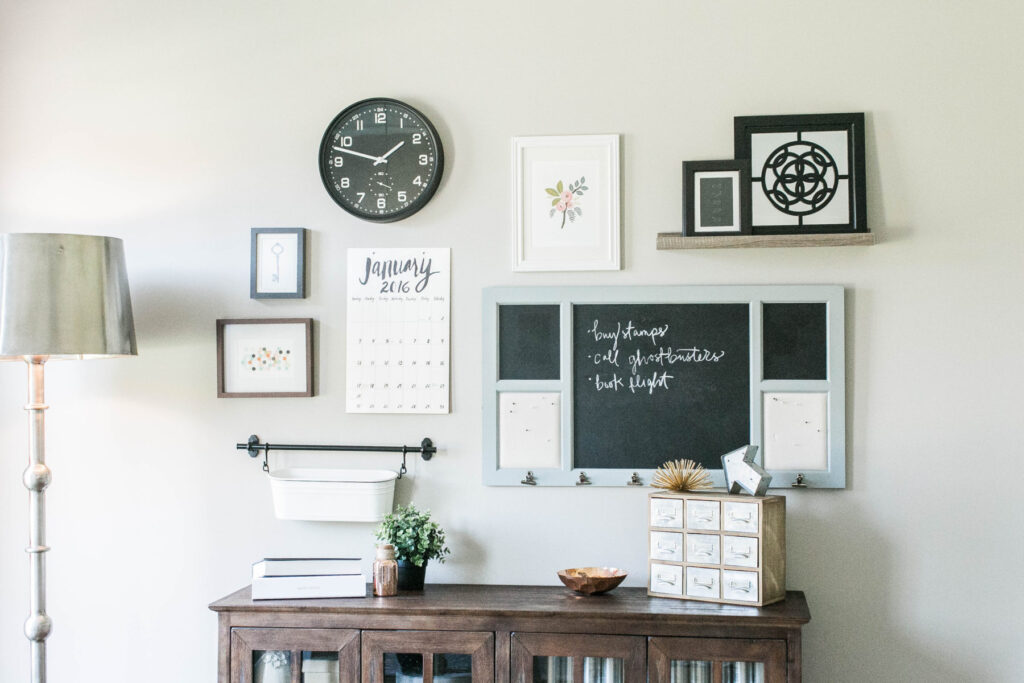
{"x": 381, "y": 160}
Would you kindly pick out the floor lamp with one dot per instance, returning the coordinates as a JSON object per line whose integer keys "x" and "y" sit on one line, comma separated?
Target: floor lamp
{"x": 61, "y": 297}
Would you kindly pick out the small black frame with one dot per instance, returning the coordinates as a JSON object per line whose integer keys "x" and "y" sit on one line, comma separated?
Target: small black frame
{"x": 794, "y": 182}
{"x": 694, "y": 197}
{"x": 299, "y": 291}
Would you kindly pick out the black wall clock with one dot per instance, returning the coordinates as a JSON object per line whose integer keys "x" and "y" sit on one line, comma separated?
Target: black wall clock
{"x": 381, "y": 160}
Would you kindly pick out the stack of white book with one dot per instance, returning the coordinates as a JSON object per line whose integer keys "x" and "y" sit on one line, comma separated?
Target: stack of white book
{"x": 282, "y": 578}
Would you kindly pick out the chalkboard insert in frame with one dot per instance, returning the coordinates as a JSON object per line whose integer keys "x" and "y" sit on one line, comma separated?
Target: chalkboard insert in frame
{"x": 675, "y": 372}
{"x": 702, "y": 322}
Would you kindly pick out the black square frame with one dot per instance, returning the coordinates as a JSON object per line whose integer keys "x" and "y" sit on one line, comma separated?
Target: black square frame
{"x": 300, "y": 270}
{"x": 691, "y": 195}
{"x": 853, "y": 124}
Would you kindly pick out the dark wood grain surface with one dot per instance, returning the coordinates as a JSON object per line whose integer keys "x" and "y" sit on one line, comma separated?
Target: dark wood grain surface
{"x": 518, "y": 602}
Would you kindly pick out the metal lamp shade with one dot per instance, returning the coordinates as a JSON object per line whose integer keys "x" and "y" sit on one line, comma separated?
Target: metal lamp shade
{"x": 64, "y": 296}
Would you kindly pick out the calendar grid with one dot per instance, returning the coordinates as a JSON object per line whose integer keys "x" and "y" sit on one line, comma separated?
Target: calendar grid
{"x": 398, "y": 331}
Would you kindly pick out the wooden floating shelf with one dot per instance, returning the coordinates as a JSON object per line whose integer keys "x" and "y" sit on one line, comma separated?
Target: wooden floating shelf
{"x": 676, "y": 240}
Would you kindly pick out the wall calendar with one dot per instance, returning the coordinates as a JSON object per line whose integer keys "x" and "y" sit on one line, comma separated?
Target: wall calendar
{"x": 398, "y": 331}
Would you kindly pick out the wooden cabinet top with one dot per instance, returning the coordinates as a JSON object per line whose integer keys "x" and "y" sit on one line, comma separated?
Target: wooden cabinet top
{"x": 534, "y": 604}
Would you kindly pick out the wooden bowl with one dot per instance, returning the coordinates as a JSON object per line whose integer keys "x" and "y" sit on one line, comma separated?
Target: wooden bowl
{"x": 592, "y": 580}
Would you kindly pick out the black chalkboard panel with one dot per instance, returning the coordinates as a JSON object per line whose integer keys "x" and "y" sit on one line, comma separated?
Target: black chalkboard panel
{"x": 795, "y": 341}
{"x": 528, "y": 338}
{"x": 657, "y": 382}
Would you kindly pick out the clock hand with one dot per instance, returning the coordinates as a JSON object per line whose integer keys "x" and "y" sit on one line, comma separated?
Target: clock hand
{"x": 383, "y": 185}
{"x": 358, "y": 154}
{"x": 384, "y": 159}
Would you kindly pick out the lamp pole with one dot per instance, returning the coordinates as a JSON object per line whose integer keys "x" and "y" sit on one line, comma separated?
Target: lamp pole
{"x": 61, "y": 297}
{"x": 36, "y": 479}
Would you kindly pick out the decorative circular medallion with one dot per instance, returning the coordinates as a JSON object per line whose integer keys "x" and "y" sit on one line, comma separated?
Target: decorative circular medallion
{"x": 381, "y": 160}
{"x": 799, "y": 178}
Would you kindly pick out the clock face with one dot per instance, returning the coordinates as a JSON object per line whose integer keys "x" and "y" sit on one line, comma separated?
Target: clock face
{"x": 381, "y": 160}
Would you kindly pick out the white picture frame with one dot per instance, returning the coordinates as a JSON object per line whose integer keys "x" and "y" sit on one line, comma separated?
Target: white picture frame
{"x": 566, "y": 210}
{"x": 701, "y": 223}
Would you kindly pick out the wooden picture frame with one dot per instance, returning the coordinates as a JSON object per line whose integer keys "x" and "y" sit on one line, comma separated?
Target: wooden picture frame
{"x": 716, "y": 198}
{"x": 566, "y": 203}
{"x": 806, "y": 172}
{"x": 277, "y": 263}
{"x": 264, "y": 357}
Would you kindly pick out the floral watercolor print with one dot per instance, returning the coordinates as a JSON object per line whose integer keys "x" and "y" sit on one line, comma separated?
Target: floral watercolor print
{"x": 567, "y": 201}
{"x": 271, "y": 358}
{"x": 566, "y": 208}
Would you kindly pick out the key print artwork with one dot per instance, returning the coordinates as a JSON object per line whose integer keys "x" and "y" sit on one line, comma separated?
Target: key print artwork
{"x": 398, "y": 331}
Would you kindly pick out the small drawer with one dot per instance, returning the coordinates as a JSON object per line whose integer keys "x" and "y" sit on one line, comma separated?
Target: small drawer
{"x": 739, "y": 585}
{"x": 702, "y": 582}
{"x": 667, "y": 578}
{"x": 739, "y": 551}
{"x": 740, "y": 517}
{"x": 667, "y": 545}
{"x": 666, "y": 512}
{"x": 703, "y": 548}
{"x": 702, "y": 514}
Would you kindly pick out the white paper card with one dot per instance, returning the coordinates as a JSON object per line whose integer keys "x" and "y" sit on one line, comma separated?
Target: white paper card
{"x": 529, "y": 429}
{"x": 277, "y": 262}
{"x": 398, "y": 331}
{"x": 265, "y": 358}
{"x": 795, "y": 431}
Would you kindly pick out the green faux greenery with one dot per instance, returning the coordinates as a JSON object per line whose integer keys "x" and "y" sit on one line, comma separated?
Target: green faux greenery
{"x": 415, "y": 537}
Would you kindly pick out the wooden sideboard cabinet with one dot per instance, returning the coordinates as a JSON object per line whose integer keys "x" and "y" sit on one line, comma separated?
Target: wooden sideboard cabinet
{"x": 508, "y": 634}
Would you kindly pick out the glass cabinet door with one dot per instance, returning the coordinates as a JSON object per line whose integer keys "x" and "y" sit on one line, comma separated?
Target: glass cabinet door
{"x": 278, "y": 655}
{"x": 425, "y": 656}
{"x": 560, "y": 658}
{"x": 716, "y": 660}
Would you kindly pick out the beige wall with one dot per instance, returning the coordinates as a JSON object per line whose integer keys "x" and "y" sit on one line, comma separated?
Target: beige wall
{"x": 179, "y": 125}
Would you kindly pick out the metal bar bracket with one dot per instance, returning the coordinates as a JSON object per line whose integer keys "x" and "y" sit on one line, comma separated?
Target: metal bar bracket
{"x": 253, "y": 446}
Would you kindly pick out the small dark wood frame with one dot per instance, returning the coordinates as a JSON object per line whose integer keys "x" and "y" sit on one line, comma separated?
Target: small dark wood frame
{"x": 300, "y": 266}
{"x": 307, "y": 323}
{"x": 745, "y": 126}
{"x": 505, "y": 627}
{"x": 690, "y": 195}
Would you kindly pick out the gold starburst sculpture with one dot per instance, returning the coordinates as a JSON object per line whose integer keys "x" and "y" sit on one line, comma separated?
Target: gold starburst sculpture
{"x": 681, "y": 475}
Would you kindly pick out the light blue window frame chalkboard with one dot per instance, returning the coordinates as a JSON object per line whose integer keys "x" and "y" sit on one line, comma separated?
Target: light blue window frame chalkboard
{"x": 754, "y": 296}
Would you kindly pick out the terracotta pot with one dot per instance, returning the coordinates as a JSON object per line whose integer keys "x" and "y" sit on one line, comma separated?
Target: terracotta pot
{"x": 410, "y": 577}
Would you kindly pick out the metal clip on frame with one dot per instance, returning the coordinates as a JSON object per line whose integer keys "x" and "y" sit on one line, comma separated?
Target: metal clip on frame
{"x": 253, "y": 446}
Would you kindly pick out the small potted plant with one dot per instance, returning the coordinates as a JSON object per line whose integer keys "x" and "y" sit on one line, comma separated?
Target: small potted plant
{"x": 417, "y": 540}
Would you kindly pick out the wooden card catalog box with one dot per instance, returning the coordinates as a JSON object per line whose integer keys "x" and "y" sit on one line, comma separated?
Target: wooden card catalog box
{"x": 718, "y": 547}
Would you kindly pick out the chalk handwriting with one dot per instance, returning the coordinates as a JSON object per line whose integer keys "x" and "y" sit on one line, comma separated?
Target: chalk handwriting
{"x": 627, "y": 333}
{"x": 668, "y": 356}
{"x": 640, "y": 359}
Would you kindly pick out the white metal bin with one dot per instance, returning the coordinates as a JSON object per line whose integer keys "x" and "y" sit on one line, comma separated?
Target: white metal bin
{"x": 332, "y": 495}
